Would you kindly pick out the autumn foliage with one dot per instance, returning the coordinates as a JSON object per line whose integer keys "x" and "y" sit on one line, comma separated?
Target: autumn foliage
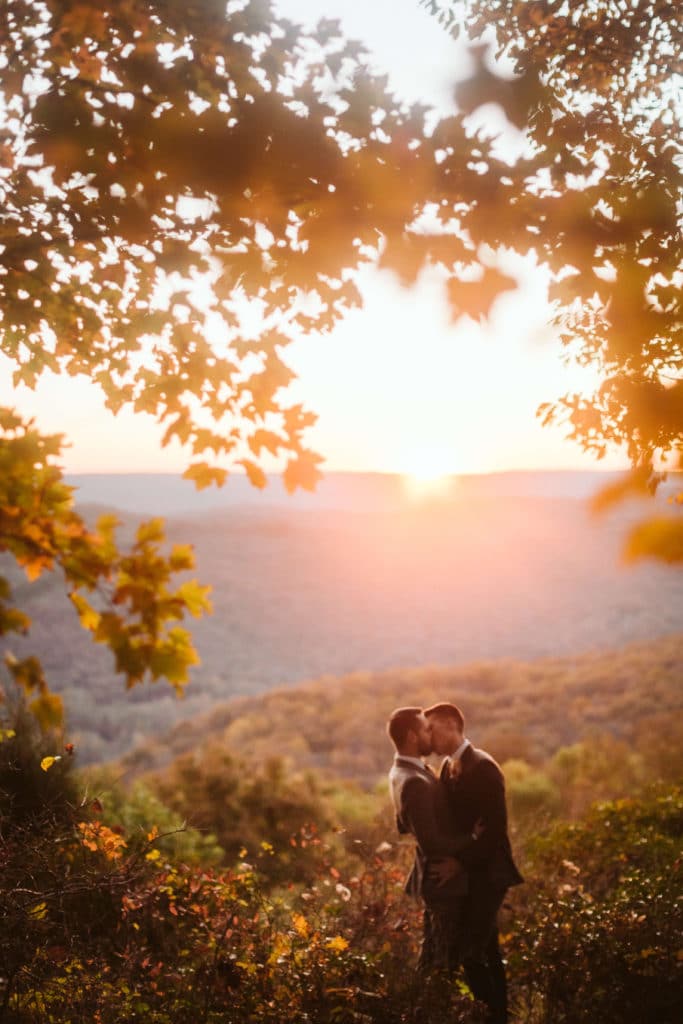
{"x": 125, "y": 598}
{"x": 596, "y": 87}
{"x": 110, "y": 922}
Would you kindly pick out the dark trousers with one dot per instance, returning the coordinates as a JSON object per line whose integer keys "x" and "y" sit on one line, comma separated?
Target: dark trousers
{"x": 482, "y": 959}
{"x": 441, "y": 948}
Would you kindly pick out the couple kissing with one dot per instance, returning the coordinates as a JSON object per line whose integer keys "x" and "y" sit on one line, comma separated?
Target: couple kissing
{"x": 463, "y": 861}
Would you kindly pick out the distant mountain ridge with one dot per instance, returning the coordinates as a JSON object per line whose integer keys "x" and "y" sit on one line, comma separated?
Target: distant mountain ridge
{"x": 170, "y": 495}
{"x": 310, "y": 592}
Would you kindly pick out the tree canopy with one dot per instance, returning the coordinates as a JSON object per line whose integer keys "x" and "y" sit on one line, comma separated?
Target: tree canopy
{"x": 167, "y": 167}
{"x": 183, "y": 189}
{"x": 597, "y": 88}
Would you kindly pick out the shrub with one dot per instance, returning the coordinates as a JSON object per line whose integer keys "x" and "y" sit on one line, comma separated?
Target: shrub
{"x": 600, "y": 934}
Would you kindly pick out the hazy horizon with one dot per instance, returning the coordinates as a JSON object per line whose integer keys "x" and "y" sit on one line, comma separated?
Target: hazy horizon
{"x": 365, "y": 472}
{"x": 358, "y": 578}
{"x": 171, "y": 494}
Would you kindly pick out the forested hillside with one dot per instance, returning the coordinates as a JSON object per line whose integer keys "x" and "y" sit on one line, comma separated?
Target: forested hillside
{"x": 304, "y": 593}
{"x": 515, "y": 709}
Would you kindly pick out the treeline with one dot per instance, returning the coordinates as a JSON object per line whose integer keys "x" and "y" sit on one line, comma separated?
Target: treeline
{"x": 114, "y": 910}
{"x": 524, "y": 711}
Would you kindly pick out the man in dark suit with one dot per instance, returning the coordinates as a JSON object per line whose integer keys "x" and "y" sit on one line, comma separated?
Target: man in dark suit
{"x": 475, "y": 790}
{"x": 420, "y": 802}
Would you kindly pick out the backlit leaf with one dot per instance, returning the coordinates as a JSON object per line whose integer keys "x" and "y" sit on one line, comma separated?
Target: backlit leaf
{"x": 48, "y": 710}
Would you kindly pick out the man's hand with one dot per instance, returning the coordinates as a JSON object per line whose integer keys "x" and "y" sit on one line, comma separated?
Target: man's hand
{"x": 444, "y": 869}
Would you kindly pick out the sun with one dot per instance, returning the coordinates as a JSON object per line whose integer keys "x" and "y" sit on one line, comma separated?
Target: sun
{"x": 429, "y": 472}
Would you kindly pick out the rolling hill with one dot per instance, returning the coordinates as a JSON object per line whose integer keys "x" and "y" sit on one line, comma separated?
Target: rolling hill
{"x": 307, "y": 592}
{"x": 528, "y": 710}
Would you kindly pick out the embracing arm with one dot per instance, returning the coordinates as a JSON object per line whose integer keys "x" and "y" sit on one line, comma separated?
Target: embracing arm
{"x": 419, "y": 813}
{"x": 492, "y": 813}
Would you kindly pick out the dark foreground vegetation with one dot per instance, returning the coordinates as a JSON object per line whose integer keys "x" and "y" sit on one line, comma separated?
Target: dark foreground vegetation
{"x": 280, "y": 895}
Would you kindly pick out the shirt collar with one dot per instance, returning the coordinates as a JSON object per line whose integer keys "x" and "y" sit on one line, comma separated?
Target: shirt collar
{"x": 411, "y": 760}
{"x": 457, "y": 754}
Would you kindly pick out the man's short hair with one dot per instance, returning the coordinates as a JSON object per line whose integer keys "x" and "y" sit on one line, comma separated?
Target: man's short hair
{"x": 400, "y": 723}
{"x": 450, "y": 711}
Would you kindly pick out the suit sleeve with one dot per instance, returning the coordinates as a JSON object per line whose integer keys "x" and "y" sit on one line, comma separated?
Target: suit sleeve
{"x": 493, "y": 813}
{"x": 418, "y": 813}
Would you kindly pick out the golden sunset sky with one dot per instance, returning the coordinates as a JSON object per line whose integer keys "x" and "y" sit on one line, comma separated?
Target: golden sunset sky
{"x": 398, "y": 387}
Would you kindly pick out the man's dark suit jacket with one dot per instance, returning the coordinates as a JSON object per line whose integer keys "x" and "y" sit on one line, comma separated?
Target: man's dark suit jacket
{"x": 421, "y": 811}
{"x": 479, "y": 792}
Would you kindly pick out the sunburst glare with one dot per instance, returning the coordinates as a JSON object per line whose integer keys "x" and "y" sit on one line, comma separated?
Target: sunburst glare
{"x": 429, "y": 472}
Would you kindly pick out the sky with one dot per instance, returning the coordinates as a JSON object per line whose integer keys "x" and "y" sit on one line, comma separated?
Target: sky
{"x": 396, "y": 385}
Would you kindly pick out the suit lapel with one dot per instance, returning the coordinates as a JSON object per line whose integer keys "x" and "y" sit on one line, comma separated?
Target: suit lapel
{"x": 468, "y": 759}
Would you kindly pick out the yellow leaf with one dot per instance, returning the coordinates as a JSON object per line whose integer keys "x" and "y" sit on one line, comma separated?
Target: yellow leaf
{"x": 338, "y": 944}
{"x": 195, "y": 597}
{"x": 48, "y": 710}
{"x": 150, "y": 532}
{"x": 660, "y": 537}
{"x": 300, "y": 925}
{"x": 107, "y": 523}
{"x": 265, "y": 439}
{"x": 281, "y": 945}
{"x": 257, "y": 478}
{"x": 205, "y": 475}
{"x": 181, "y": 557}
{"x": 47, "y": 762}
{"x": 34, "y": 567}
{"x": 302, "y": 472}
{"x": 27, "y": 673}
{"x": 90, "y": 619}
